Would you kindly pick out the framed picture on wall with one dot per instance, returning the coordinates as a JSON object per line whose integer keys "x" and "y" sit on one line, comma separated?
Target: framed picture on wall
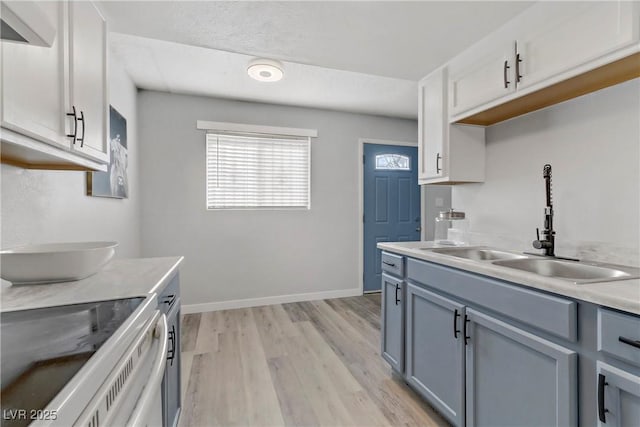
{"x": 114, "y": 182}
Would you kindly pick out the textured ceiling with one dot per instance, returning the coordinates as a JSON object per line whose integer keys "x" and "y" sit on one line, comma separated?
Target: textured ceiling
{"x": 173, "y": 67}
{"x": 393, "y": 39}
{"x": 354, "y": 56}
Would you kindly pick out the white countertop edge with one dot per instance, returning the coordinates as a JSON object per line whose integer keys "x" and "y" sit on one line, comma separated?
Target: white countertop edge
{"x": 164, "y": 281}
{"x": 120, "y": 279}
{"x": 622, "y": 295}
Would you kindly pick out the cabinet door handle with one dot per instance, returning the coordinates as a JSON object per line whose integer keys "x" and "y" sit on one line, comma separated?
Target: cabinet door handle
{"x": 390, "y": 264}
{"x": 602, "y": 411}
{"x": 84, "y": 125}
{"x": 397, "y": 289}
{"x": 456, "y": 331}
{"x": 74, "y": 135}
{"x": 518, "y": 61}
{"x": 169, "y": 300}
{"x": 172, "y": 350}
{"x": 438, "y": 158}
{"x": 504, "y": 74}
{"x": 632, "y": 343}
{"x": 464, "y": 330}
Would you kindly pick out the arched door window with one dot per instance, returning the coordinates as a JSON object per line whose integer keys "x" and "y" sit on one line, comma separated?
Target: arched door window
{"x": 393, "y": 162}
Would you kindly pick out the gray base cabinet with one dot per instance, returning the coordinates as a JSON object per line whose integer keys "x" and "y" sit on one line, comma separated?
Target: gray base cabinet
{"x": 392, "y": 327}
{"x": 435, "y": 351}
{"x": 169, "y": 304}
{"x": 618, "y": 397}
{"x": 486, "y": 352}
{"x": 517, "y": 378}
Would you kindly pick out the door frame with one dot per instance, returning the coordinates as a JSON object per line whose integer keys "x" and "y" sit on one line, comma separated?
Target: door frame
{"x": 361, "y": 142}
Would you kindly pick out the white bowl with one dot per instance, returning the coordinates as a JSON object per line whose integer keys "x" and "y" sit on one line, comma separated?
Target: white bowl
{"x": 54, "y": 262}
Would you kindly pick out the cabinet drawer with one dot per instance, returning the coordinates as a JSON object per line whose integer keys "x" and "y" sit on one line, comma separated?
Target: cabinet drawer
{"x": 393, "y": 264}
{"x": 552, "y": 314}
{"x": 619, "y": 335}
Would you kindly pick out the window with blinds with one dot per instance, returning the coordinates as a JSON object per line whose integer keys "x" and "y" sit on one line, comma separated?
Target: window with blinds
{"x": 257, "y": 172}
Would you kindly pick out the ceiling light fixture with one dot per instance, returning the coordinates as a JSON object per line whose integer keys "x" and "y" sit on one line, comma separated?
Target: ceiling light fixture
{"x": 265, "y": 70}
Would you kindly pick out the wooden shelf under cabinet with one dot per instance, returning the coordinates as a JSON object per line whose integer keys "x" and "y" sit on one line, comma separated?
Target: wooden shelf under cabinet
{"x": 599, "y": 78}
{"x": 22, "y": 152}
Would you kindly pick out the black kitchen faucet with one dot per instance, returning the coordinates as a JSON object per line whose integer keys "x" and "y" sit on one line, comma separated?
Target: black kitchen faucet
{"x": 548, "y": 241}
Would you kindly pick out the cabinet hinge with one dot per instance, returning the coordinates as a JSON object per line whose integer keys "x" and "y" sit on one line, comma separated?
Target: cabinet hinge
{"x": 363, "y": 159}
{"x": 362, "y": 217}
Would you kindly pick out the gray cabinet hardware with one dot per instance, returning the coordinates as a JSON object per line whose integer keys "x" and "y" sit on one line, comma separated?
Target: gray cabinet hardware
{"x": 633, "y": 343}
{"x": 74, "y": 135}
{"x": 602, "y": 411}
{"x": 84, "y": 126}
{"x": 505, "y": 67}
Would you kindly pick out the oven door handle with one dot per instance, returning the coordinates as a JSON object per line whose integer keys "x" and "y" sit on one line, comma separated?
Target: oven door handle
{"x": 157, "y": 373}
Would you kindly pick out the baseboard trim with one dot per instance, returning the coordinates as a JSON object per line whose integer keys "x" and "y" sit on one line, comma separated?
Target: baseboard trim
{"x": 278, "y": 299}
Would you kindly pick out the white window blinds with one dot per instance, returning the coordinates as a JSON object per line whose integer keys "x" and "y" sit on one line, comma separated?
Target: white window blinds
{"x": 257, "y": 172}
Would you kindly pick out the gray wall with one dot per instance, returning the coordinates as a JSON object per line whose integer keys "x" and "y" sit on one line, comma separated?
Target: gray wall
{"x": 52, "y": 206}
{"x": 239, "y": 255}
{"x": 593, "y": 144}
{"x": 437, "y": 198}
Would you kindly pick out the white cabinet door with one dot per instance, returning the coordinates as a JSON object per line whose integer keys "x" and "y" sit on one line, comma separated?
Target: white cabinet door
{"x": 88, "y": 72}
{"x": 446, "y": 153}
{"x": 33, "y": 84}
{"x": 432, "y": 130}
{"x": 480, "y": 76}
{"x": 558, "y": 37}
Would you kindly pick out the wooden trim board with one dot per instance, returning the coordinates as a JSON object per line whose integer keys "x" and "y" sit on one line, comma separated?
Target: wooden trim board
{"x": 43, "y": 166}
{"x": 271, "y": 300}
{"x": 608, "y": 75}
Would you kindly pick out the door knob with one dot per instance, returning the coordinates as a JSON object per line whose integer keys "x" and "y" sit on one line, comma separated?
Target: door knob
{"x": 418, "y": 228}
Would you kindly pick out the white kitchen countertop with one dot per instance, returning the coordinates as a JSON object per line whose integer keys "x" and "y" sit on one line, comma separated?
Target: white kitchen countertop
{"x": 620, "y": 294}
{"x": 120, "y": 278}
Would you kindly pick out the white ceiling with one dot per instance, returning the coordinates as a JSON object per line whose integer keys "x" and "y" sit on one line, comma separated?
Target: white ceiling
{"x": 353, "y": 56}
{"x": 174, "y": 67}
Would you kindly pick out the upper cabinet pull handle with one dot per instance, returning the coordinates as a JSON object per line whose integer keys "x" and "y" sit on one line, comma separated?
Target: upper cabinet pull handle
{"x": 74, "y": 135}
{"x": 84, "y": 125}
{"x": 438, "y": 158}
{"x": 390, "y": 264}
{"x": 504, "y": 74}
{"x": 633, "y": 343}
{"x": 518, "y": 61}
{"x": 456, "y": 331}
{"x": 602, "y": 411}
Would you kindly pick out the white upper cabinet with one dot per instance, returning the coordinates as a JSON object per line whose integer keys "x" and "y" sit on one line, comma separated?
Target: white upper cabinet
{"x": 433, "y": 124}
{"x": 43, "y": 86}
{"x": 88, "y": 78}
{"x": 549, "y": 43}
{"x": 447, "y": 153}
{"x": 558, "y": 37}
{"x": 482, "y": 75}
{"x": 33, "y": 84}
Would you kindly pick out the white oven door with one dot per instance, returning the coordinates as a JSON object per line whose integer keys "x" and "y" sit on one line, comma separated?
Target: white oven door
{"x": 131, "y": 395}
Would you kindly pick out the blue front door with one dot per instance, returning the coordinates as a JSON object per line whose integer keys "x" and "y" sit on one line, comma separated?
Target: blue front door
{"x": 391, "y": 203}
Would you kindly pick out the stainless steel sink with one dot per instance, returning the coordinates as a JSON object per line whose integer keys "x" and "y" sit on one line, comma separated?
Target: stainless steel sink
{"x": 478, "y": 254}
{"x": 577, "y": 272}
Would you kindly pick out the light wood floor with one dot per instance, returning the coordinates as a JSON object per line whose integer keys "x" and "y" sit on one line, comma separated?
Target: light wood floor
{"x": 302, "y": 364}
